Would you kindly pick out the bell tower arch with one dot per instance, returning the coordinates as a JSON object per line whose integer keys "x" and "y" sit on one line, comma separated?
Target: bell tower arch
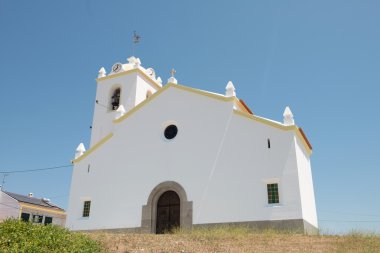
{"x": 123, "y": 88}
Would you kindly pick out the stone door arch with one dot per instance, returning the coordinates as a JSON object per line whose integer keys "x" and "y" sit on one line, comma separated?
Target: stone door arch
{"x": 149, "y": 211}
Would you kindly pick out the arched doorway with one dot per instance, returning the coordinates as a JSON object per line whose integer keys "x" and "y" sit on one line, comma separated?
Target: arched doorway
{"x": 149, "y": 211}
{"x": 168, "y": 212}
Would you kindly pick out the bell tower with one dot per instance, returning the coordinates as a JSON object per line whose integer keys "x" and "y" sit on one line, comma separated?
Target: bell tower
{"x": 123, "y": 88}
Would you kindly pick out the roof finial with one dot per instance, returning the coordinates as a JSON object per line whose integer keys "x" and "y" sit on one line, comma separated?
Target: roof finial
{"x": 288, "y": 117}
{"x": 172, "y": 72}
{"x": 80, "y": 150}
{"x": 120, "y": 112}
{"x": 230, "y": 90}
{"x": 172, "y": 78}
{"x": 102, "y": 72}
{"x": 134, "y": 61}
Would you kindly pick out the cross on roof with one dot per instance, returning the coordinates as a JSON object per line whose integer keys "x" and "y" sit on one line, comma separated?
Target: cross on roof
{"x": 172, "y": 72}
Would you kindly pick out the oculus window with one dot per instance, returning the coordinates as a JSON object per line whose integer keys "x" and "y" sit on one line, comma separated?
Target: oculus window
{"x": 170, "y": 132}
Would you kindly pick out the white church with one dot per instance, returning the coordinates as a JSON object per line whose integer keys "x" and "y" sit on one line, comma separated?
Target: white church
{"x": 165, "y": 156}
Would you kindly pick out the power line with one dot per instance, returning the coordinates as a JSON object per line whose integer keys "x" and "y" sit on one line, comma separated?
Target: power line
{"x": 97, "y": 102}
{"x": 34, "y": 170}
{"x": 350, "y": 220}
{"x": 357, "y": 214}
{"x": 10, "y": 206}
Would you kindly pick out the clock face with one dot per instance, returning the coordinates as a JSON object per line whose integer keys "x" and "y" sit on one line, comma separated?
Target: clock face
{"x": 116, "y": 67}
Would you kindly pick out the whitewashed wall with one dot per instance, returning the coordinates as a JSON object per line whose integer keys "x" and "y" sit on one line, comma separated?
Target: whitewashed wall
{"x": 221, "y": 159}
{"x": 9, "y": 207}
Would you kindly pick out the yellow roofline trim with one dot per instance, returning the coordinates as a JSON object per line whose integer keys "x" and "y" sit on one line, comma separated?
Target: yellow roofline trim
{"x": 304, "y": 142}
{"x": 193, "y": 90}
{"x": 278, "y": 126}
{"x": 265, "y": 121}
{"x": 93, "y": 148}
{"x": 212, "y": 95}
{"x": 204, "y": 93}
{"x": 154, "y": 83}
{"x": 137, "y": 107}
{"x": 185, "y": 88}
{"x": 40, "y": 208}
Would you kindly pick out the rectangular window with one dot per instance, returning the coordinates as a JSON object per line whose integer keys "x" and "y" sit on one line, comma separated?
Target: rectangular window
{"x": 37, "y": 218}
{"x": 48, "y": 220}
{"x": 86, "y": 208}
{"x": 273, "y": 197}
{"x": 25, "y": 217}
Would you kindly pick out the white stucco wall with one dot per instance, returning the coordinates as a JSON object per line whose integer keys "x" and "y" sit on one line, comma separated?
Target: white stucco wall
{"x": 306, "y": 184}
{"x": 133, "y": 91}
{"x": 221, "y": 160}
{"x": 9, "y": 207}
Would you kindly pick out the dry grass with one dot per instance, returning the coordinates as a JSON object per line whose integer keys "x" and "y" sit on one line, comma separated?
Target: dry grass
{"x": 237, "y": 240}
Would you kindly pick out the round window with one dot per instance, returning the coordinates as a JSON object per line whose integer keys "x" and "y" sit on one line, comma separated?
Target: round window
{"x": 171, "y": 132}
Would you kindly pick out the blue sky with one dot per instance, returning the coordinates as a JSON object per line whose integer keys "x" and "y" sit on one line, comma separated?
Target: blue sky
{"x": 321, "y": 58}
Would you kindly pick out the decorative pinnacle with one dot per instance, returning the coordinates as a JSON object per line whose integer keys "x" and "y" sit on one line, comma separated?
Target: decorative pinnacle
{"x": 230, "y": 89}
{"x": 172, "y": 78}
{"x": 80, "y": 150}
{"x": 120, "y": 112}
{"x": 288, "y": 117}
{"x": 102, "y": 72}
{"x": 134, "y": 61}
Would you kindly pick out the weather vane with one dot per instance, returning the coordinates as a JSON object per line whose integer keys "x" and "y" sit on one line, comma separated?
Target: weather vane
{"x": 136, "y": 39}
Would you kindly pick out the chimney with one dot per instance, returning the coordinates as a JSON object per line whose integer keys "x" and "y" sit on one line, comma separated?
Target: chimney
{"x": 30, "y": 195}
{"x": 46, "y": 200}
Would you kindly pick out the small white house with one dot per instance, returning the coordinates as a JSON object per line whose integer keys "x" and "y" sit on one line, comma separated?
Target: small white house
{"x": 29, "y": 208}
{"x": 163, "y": 156}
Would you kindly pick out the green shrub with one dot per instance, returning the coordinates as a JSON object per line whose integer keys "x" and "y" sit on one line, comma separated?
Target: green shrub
{"x": 18, "y": 236}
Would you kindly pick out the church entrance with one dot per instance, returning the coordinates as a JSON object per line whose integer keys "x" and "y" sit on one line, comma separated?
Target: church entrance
{"x": 168, "y": 212}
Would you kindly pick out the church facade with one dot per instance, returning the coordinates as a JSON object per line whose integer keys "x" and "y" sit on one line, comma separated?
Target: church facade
{"x": 164, "y": 156}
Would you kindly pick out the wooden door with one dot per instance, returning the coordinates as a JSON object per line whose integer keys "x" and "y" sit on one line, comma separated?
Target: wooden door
{"x": 168, "y": 212}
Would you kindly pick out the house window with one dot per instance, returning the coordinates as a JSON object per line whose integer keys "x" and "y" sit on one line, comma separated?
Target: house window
{"x": 268, "y": 143}
{"x": 115, "y": 99}
{"x": 273, "y": 197}
{"x": 48, "y": 220}
{"x": 37, "y": 218}
{"x": 86, "y": 208}
{"x": 25, "y": 217}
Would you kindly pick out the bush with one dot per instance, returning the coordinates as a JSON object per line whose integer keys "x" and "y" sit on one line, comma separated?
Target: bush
{"x": 19, "y": 236}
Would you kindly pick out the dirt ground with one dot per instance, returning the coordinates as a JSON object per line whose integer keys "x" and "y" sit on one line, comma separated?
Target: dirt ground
{"x": 237, "y": 243}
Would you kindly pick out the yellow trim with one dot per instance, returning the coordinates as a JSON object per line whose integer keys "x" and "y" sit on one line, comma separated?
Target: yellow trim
{"x": 278, "y": 126}
{"x": 300, "y": 136}
{"x": 93, "y": 148}
{"x": 40, "y": 208}
{"x": 265, "y": 121}
{"x": 241, "y": 107}
{"x": 243, "y": 113}
{"x": 137, "y": 107}
{"x": 177, "y": 86}
{"x": 204, "y": 93}
{"x": 154, "y": 83}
